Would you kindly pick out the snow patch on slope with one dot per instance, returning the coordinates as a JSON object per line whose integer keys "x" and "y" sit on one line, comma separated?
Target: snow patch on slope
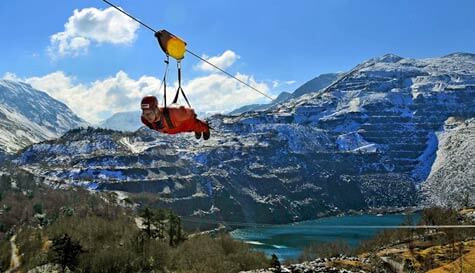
{"x": 355, "y": 142}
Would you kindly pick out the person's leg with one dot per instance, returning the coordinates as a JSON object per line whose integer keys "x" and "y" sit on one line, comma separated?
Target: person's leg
{"x": 199, "y": 127}
{"x": 202, "y": 127}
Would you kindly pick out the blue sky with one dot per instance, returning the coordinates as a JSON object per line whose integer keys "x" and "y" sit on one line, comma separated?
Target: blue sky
{"x": 275, "y": 45}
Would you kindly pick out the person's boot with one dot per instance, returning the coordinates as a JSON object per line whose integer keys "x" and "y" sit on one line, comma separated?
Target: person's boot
{"x": 206, "y": 135}
{"x": 197, "y": 135}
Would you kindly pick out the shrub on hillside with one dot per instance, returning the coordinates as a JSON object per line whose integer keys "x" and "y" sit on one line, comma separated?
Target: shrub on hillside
{"x": 5, "y": 254}
{"x": 439, "y": 216}
{"x": 204, "y": 254}
{"x": 325, "y": 250}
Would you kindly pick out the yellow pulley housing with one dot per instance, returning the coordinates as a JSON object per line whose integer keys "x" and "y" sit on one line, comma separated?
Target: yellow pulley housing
{"x": 171, "y": 44}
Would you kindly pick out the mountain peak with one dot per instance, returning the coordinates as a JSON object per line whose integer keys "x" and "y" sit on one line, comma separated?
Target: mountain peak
{"x": 388, "y": 58}
{"x": 316, "y": 84}
{"x": 11, "y": 85}
{"x": 12, "y": 82}
{"x": 123, "y": 121}
{"x": 30, "y": 115}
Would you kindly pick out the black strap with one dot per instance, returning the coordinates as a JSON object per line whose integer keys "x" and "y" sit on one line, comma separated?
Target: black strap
{"x": 179, "y": 87}
{"x": 168, "y": 120}
{"x": 183, "y": 93}
{"x": 167, "y": 61}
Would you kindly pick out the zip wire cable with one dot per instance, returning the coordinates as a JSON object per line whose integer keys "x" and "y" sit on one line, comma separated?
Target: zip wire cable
{"x": 194, "y": 54}
{"x": 137, "y": 20}
{"x": 204, "y": 60}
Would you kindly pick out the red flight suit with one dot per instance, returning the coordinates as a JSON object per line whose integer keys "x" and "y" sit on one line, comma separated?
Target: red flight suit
{"x": 174, "y": 120}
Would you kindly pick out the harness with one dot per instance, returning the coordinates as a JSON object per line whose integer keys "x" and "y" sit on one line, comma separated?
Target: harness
{"x": 165, "y": 112}
{"x": 168, "y": 120}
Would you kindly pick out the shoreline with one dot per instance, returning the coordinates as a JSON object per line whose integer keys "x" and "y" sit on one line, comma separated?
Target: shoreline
{"x": 223, "y": 226}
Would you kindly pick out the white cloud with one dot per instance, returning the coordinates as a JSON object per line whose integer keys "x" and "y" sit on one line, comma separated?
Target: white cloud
{"x": 223, "y": 61}
{"x": 219, "y": 93}
{"x": 100, "y": 99}
{"x": 96, "y": 101}
{"x": 91, "y": 25}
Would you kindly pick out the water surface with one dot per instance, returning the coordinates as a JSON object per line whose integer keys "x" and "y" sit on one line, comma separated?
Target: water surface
{"x": 288, "y": 241}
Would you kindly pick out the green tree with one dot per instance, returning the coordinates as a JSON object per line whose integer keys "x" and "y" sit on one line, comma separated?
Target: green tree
{"x": 160, "y": 219}
{"x": 154, "y": 222}
{"x": 66, "y": 251}
{"x": 148, "y": 219}
{"x": 38, "y": 208}
{"x": 175, "y": 231}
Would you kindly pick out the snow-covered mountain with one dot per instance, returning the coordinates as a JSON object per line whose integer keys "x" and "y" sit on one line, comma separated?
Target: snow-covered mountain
{"x": 260, "y": 107}
{"x": 314, "y": 85}
{"x": 451, "y": 181}
{"x": 123, "y": 121}
{"x": 29, "y": 116}
{"x": 367, "y": 140}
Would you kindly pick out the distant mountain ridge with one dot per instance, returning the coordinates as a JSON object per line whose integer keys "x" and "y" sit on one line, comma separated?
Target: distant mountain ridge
{"x": 368, "y": 139}
{"x": 313, "y": 85}
{"x": 28, "y": 115}
{"x": 316, "y": 84}
{"x": 123, "y": 121}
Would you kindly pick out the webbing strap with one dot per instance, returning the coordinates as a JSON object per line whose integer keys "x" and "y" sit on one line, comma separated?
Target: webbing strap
{"x": 164, "y": 82}
{"x": 167, "y": 118}
{"x": 179, "y": 87}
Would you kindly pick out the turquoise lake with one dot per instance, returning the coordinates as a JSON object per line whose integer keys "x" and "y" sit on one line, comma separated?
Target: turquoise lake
{"x": 288, "y": 241}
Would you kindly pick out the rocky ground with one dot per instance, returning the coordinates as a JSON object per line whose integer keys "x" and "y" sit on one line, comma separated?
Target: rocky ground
{"x": 328, "y": 265}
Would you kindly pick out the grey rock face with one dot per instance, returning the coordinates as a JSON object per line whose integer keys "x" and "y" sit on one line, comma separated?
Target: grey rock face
{"x": 451, "y": 182}
{"x": 365, "y": 141}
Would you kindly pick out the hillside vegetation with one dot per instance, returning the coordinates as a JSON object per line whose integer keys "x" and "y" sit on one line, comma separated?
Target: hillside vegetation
{"x": 89, "y": 232}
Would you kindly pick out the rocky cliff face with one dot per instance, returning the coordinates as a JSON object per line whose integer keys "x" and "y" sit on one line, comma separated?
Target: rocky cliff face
{"x": 451, "y": 181}
{"x": 365, "y": 141}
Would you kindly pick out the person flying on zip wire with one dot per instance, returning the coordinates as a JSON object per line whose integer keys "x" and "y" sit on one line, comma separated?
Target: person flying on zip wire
{"x": 172, "y": 120}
